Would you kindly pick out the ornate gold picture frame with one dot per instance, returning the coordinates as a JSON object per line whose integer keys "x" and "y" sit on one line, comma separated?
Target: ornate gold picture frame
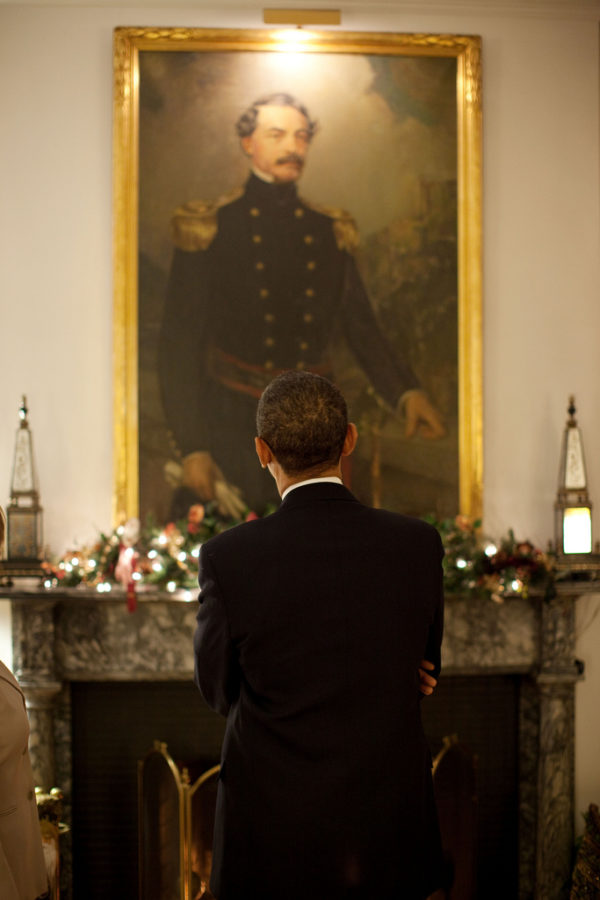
{"x": 394, "y": 168}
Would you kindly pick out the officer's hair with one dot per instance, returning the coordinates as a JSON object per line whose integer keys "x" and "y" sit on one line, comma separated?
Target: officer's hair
{"x": 304, "y": 419}
{"x": 246, "y": 123}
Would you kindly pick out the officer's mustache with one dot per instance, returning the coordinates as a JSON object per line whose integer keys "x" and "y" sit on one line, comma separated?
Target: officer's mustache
{"x": 291, "y": 158}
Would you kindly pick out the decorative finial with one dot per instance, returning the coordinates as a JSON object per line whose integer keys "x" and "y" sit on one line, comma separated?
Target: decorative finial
{"x": 572, "y": 409}
{"x": 23, "y": 412}
{"x": 24, "y": 512}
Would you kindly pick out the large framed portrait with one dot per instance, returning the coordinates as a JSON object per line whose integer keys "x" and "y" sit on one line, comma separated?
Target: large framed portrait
{"x": 310, "y": 205}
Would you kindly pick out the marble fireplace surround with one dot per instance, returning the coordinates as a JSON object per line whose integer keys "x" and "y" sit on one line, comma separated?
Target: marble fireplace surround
{"x": 74, "y": 635}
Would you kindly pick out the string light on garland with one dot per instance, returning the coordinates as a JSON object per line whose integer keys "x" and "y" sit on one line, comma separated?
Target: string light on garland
{"x": 135, "y": 558}
{"x": 477, "y": 567}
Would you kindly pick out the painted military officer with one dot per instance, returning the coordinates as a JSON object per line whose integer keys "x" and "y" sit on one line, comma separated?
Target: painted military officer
{"x": 258, "y": 283}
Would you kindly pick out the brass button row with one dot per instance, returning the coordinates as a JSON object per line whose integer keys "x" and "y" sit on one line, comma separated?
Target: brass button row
{"x": 270, "y": 342}
{"x": 264, "y": 293}
{"x": 255, "y": 212}
{"x": 310, "y": 265}
{"x": 308, "y": 239}
{"x": 307, "y": 317}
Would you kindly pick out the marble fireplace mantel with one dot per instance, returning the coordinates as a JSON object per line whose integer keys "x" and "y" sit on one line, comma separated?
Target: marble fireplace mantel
{"x": 60, "y": 637}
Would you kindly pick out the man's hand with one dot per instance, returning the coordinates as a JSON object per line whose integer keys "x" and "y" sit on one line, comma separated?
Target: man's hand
{"x": 422, "y": 416}
{"x": 427, "y": 682}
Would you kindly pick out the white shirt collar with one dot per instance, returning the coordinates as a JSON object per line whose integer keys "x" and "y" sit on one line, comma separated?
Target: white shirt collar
{"x": 333, "y": 479}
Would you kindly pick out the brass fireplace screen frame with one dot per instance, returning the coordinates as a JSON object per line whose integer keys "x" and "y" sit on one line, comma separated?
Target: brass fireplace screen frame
{"x": 176, "y": 820}
{"x": 175, "y": 827}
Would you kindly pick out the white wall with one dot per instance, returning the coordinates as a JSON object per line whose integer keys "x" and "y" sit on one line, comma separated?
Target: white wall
{"x": 541, "y": 261}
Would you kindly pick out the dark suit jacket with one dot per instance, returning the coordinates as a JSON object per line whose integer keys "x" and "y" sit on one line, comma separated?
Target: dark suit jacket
{"x": 311, "y": 627}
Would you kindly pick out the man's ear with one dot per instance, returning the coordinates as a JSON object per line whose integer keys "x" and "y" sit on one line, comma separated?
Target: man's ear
{"x": 350, "y": 439}
{"x": 263, "y": 451}
{"x": 246, "y": 143}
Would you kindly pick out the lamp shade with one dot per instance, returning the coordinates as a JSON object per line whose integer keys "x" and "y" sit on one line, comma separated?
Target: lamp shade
{"x": 573, "y": 508}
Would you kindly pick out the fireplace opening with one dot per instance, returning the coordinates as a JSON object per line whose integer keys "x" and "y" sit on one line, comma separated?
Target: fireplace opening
{"x": 482, "y": 711}
{"x": 114, "y": 724}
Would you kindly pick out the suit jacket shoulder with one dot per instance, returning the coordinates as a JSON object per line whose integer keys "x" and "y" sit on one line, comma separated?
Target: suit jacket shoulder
{"x": 418, "y": 526}
{"x": 230, "y": 540}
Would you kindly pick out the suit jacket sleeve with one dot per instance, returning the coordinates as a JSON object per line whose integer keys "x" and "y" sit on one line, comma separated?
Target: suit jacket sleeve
{"x": 216, "y": 668}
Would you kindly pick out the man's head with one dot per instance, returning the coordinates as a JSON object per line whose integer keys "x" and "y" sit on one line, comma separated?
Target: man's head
{"x": 304, "y": 421}
{"x": 275, "y": 132}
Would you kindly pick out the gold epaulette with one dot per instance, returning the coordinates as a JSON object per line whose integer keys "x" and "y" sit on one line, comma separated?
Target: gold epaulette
{"x": 194, "y": 225}
{"x": 345, "y": 229}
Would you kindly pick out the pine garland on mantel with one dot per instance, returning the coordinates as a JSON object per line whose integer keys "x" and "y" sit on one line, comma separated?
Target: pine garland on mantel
{"x": 475, "y": 566}
{"x": 166, "y": 558}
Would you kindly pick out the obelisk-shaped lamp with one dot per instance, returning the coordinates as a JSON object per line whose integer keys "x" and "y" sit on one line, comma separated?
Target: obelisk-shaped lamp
{"x": 573, "y": 507}
{"x": 24, "y": 512}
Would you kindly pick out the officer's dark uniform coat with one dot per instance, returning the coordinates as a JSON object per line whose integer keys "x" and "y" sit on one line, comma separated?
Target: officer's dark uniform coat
{"x": 258, "y": 284}
{"x": 311, "y": 627}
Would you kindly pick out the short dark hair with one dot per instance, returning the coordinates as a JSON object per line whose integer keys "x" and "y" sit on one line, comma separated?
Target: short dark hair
{"x": 246, "y": 123}
{"x": 304, "y": 419}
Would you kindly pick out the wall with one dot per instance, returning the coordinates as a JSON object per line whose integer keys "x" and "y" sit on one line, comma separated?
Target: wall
{"x": 541, "y": 261}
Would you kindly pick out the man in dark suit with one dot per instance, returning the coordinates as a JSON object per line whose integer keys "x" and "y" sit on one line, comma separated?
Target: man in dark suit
{"x": 313, "y": 625}
{"x": 259, "y": 283}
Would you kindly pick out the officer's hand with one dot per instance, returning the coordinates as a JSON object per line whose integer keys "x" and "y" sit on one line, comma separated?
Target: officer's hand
{"x": 202, "y": 475}
{"x": 422, "y": 416}
{"x": 427, "y": 683}
{"x": 229, "y": 500}
{"x": 199, "y": 473}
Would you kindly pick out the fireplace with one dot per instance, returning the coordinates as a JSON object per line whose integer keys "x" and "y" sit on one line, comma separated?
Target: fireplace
{"x": 85, "y": 662}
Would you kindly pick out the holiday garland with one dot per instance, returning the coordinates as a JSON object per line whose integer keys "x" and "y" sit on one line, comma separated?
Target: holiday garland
{"x": 131, "y": 557}
{"x": 478, "y": 567}
{"x": 166, "y": 558}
